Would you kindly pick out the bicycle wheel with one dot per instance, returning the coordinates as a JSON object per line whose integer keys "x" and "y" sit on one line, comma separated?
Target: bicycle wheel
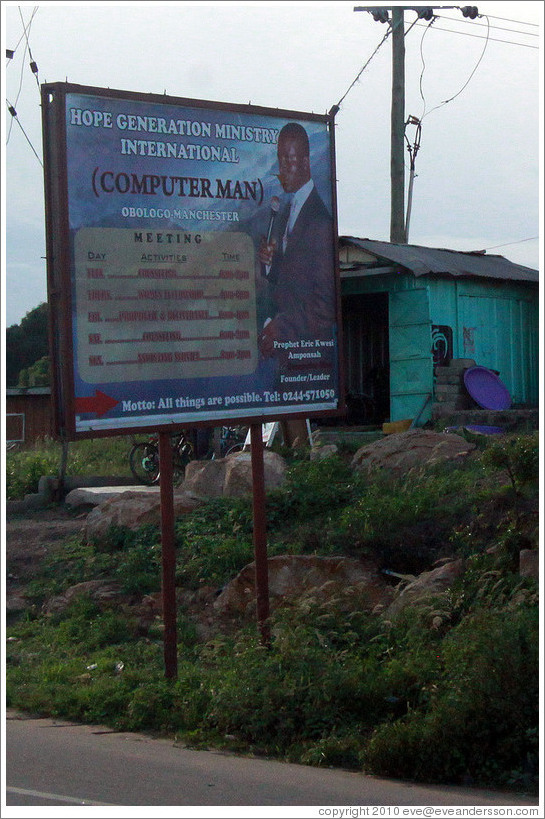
{"x": 234, "y": 448}
{"x": 144, "y": 463}
{"x": 182, "y": 455}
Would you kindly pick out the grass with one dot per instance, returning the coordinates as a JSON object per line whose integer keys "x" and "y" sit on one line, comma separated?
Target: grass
{"x": 446, "y": 692}
{"x": 25, "y": 467}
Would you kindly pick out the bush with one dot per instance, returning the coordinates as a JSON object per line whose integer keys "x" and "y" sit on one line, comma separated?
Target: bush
{"x": 518, "y": 456}
{"x": 481, "y": 719}
{"x": 25, "y": 467}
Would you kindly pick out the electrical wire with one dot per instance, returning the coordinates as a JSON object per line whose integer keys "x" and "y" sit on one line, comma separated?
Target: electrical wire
{"x": 15, "y": 118}
{"x": 22, "y": 35}
{"x": 481, "y": 25}
{"x": 353, "y": 83}
{"x": 464, "y": 86}
{"x": 423, "y": 67}
{"x": 26, "y": 29}
{"x": 391, "y": 29}
{"x": 33, "y": 66}
{"x": 478, "y": 37}
{"x": 507, "y": 244}
{"x": 18, "y": 92}
{"x": 508, "y": 20}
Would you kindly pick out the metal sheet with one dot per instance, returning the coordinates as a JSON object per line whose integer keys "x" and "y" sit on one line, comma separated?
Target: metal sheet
{"x": 411, "y": 363}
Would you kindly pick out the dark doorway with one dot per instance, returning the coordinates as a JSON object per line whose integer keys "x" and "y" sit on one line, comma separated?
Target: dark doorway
{"x": 366, "y": 358}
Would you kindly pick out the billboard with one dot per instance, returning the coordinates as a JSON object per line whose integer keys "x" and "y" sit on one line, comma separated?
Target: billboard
{"x": 192, "y": 261}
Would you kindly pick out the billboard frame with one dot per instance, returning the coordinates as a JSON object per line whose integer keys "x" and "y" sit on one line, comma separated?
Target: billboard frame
{"x": 59, "y": 262}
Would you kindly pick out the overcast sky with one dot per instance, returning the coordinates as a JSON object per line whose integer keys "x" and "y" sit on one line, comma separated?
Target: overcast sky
{"x": 479, "y": 100}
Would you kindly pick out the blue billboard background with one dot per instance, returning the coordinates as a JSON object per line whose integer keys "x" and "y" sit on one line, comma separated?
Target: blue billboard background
{"x": 171, "y": 169}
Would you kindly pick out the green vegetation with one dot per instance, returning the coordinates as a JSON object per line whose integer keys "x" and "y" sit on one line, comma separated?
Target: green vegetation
{"x": 26, "y": 343}
{"x": 445, "y": 692}
{"x": 25, "y": 467}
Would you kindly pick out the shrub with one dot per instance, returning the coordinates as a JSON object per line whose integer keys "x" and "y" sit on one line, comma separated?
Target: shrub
{"x": 482, "y": 715}
{"x": 518, "y": 456}
{"x": 25, "y": 468}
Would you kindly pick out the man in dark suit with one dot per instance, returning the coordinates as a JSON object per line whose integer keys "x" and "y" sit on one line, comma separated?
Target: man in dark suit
{"x": 297, "y": 264}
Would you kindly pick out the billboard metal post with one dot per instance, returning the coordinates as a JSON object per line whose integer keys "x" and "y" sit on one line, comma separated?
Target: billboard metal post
{"x": 170, "y": 646}
{"x": 260, "y": 534}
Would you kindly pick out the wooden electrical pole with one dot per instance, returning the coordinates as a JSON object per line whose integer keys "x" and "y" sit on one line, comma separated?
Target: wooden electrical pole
{"x": 398, "y": 223}
{"x": 397, "y": 151}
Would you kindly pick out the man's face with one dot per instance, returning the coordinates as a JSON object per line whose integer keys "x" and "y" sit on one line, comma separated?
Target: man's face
{"x": 294, "y": 165}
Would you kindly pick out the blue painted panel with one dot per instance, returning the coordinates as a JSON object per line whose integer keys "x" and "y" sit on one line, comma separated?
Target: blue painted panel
{"x": 501, "y": 333}
{"x": 411, "y": 363}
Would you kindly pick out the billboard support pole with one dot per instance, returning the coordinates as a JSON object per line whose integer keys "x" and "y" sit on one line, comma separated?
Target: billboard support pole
{"x": 170, "y": 647}
{"x": 260, "y": 534}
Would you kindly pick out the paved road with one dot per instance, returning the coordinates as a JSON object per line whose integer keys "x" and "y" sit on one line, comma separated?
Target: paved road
{"x": 60, "y": 763}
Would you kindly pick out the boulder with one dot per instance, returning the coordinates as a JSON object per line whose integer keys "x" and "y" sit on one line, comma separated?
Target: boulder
{"x": 133, "y": 510}
{"x": 427, "y": 584}
{"x": 321, "y": 451}
{"x": 102, "y": 591}
{"x": 16, "y": 603}
{"x": 238, "y": 473}
{"x": 293, "y": 576}
{"x": 95, "y": 495}
{"x": 405, "y": 450}
{"x": 529, "y": 563}
{"x": 231, "y": 476}
{"x": 205, "y": 479}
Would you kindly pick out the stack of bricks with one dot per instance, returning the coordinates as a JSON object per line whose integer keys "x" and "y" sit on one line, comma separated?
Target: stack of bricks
{"x": 450, "y": 391}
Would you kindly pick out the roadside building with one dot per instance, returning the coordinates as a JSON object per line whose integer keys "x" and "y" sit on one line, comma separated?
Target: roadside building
{"x": 29, "y": 415}
{"x": 409, "y": 309}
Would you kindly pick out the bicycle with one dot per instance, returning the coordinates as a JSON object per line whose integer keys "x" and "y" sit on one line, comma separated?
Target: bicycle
{"x": 232, "y": 440}
{"x": 144, "y": 458}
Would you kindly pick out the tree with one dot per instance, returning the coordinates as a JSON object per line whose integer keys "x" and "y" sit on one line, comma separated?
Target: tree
{"x": 37, "y": 375}
{"x": 26, "y": 343}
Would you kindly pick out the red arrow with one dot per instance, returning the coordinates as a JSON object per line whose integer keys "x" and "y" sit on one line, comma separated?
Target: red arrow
{"x": 99, "y": 403}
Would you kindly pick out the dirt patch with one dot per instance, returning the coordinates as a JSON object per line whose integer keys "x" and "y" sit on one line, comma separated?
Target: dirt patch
{"x": 31, "y": 536}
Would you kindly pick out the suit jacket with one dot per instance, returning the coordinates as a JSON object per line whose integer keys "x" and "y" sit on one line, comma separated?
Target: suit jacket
{"x": 302, "y": 277}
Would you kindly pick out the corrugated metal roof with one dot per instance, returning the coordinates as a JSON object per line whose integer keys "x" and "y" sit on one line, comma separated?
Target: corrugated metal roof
{"x": 425, "y": 260}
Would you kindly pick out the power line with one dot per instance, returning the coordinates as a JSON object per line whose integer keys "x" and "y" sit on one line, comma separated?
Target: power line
{"x": 478, "y": 37}
{"x": 481, "y": 25}
{"x": 508, "y": 20}
{"x": 15, "y": 118}
{"x": 18, "y": 91}
{"x": 464, "y": 86}
{"x": 507, "y": 244}
{"x": 22, "y": 35}
{"x": 353, "y": 83}
{"x": 26, "y": 30}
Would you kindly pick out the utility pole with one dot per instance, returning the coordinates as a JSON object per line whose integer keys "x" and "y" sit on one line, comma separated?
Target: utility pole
{"x": 398, "y": 223}
{"x": 397, "y": 136}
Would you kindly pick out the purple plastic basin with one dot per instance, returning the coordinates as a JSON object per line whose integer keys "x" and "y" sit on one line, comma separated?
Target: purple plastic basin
{"x": 486, "y": 388}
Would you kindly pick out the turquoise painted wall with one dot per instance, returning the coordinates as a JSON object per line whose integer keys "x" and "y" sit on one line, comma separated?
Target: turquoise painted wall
{"x": 495, "y": 323}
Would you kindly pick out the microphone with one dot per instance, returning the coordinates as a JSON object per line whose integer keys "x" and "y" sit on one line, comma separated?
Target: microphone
{"x": 275, "y": 207}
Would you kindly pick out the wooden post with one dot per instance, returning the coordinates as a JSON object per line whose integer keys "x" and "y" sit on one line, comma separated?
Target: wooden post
{"x": 260, "y": 534}
{"x": 397, "y": 162}
{"x": 170, "y": 643}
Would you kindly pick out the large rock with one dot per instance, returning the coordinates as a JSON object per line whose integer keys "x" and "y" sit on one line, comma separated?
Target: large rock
{"x": 205, "y": 479}
{"x": 231, "y": 476}
{"x": 103, "y": 592}
{"x": 95, "y": 495}
{"x": 415, "y": 447}
{"x": 427, "y": 584}
{"x": 529, "y": 563}
{"x": 293, "y": 576}
{"x": 133, "y": 510}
